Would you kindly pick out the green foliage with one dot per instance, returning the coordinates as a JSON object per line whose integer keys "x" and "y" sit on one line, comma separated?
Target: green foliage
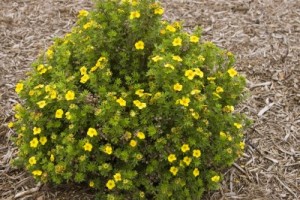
{"x": 131, "y": 105}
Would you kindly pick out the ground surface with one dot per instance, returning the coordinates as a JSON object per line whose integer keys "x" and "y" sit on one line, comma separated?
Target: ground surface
{"x": 265, "y": 36}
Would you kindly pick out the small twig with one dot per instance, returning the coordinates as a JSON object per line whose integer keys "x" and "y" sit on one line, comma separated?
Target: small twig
{"x": 286, "y": 187}
{"x": 265, "y": 109}
{"x": 32, "y": 190}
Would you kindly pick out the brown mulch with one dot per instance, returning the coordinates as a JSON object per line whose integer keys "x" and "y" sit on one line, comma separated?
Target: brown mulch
{"x": 265, "y": 36}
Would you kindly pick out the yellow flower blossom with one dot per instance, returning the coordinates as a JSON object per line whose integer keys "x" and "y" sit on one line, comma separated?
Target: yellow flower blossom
{"x": 237, "y": 125}
{"x": 83, "y": 13}
{"x": 232, "y": 72}
{"x": 195, "y": 91}
{"x": 139, "y": 104}
{"x": 159, "y": 11}
{"x": 211, "y": 78}
{"x": 36, "y": 130}
{"x": 92, "y": 132}
{"x": 172, "y": 158}
{"x": 190, "y": 74}
{"x": 91, "y": 184}
{"x": 51, "y": 157}
{"x": 184, "y": 101}
{"x": 108, "y": 149}
{"x": 83, "y": 70}
{"x": 139, "y": 45}
{"x": 157, "y": 58}
{"x": 228, "y": 109}
{"x": 215, "y": 179}
{"x": 198, "y": 72}
{"x": 121, "y": 101}
{"x": 140, "y": 135}
{"x": 34, "y": 142}
{"x": 110, "y": 184}
{"x": 196, "y": 172}
{"x": 201, "y": 58}
{"x": 177, "y": 87}
{"x": 177, "y": 42}
{"x": 140, "y": 92}
{"x": 168, "y": 65}
{"x": 84, "y": 78}
{"x": 174, "y": 170}
{"x": 223, "y": 135}
{"x": 19, "y": 87}
{"x": 43, "y": 140}
{"x": 68, "y": 116}
{"x": 49, "y": 54}
{"x": 196, "y": 153}
{"x": 37, "y": 173}
{"x": 242, "y": 145}
{"x": 219, "y": 89}
{"x": 90, "y": 24}
{"x": 177, "y": 58}
{"x": 70, "y": 95}
{"x": 59, "y": 113}
{"x": 171, "y": 28}
{"x": 10, "y": 124}
{"x": 194, "y": 39}
{"x": 134, "y": 14}
{"x": 118, "y": 177}
{"x": 132, "y": 143}
{"x": 187, "y": 160}
{"x": 53, "y": 94}
{"x": 185, "y": 148}
{"x": 32, "y": 160}
{"x": 88, "y": 146}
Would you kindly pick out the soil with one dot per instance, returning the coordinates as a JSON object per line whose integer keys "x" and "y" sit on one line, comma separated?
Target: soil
{"x": 263, "y": 34}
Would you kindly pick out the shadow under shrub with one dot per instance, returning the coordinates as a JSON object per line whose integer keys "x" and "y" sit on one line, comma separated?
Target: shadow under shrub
{"x": 131, "y": 105}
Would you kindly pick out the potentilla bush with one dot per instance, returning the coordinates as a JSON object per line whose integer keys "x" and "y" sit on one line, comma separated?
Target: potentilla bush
{"x": 131, "y": 105}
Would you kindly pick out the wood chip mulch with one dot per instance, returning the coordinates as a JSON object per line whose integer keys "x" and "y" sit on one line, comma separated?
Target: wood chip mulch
{"x": 263, "y": 34}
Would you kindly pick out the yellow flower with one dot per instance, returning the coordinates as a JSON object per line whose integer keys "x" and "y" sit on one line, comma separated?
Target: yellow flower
{"x": 83, "y": 13}
{"x": 177, "y": 87}
{"x": 83, "y": 70}
{"x": 242, "y": 145}
{"x": 37, "y": 173}
{"x": 36, "y": 130}
{"x": 171, "y": 28}
{"x": 223, "y": 135}
{"x": 68, "y": 115}
{"x": 43, "y": 140}
{"x": 91, "y": 184}
{"x": 195, "y": 91}
{"x": 32, "y": 160}
{"x": 139, "y": 104}
{"x": 187, "y": 160}
{"x": 237, "y": 125}
{"x": 34, "y": 143}
{"x": 228, "y": 109}
{"x": 157, "y": 58}
{"x": 194, "y": 39}
{"x": 211, "y": 78}
{"x": 219, "y": 89}
{"x": 118, "y": 177}
{"x": 134, "y": 14}
{"x": 10, "y": 124}
{"x": 232, "y": 72}
{"x": 41, "y": 104}
{"x": 172, "y": 157}
{"x": 196, "y": 172}
{"x": 201, "y": 58}
{"x": 168, "y": 65}
{"x": 139, "y": 45}
{"x": 51, "y": 157}
{"x": 189, "y": 74}
{"x": 229, "y": 138}
{"x": 177, "y": 42}
{"x": 196, "y": 153}
{"x": 53, "y": 94}
{"x": 195, "y": 115}
{"x": 140, "y": 135}
{"x": 84, "y": 78}
{"x": 88, "y": 146}
{"x": 185, "y": 148}
{"x": 31, "y": 92}
{"x": 41, "y": 69}
{"x": 49, "y": 54}
{"x": 174, "y": 170}
{"x": 108, "y": 149}
{"x": 92, "y": 132}
{"x": 132, "y": 143}
{"x": 127, "y": 135}
{"x": 198, "y": 72}
{"x": 215, "y": 179}
{"x": 159, "y": 11}
{"x": 59, "y": 113}
{"x": 90, "y": 24}
{"x": 185, "y": 101}
{"x": 140, "y": 92}
{"x": 177, "y": 58}
{"x": 70, "y": 95}
{"x": 110, "y": 184}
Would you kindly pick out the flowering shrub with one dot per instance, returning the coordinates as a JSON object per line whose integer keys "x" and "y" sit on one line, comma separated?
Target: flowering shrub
{"x": 132, "y": 106}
